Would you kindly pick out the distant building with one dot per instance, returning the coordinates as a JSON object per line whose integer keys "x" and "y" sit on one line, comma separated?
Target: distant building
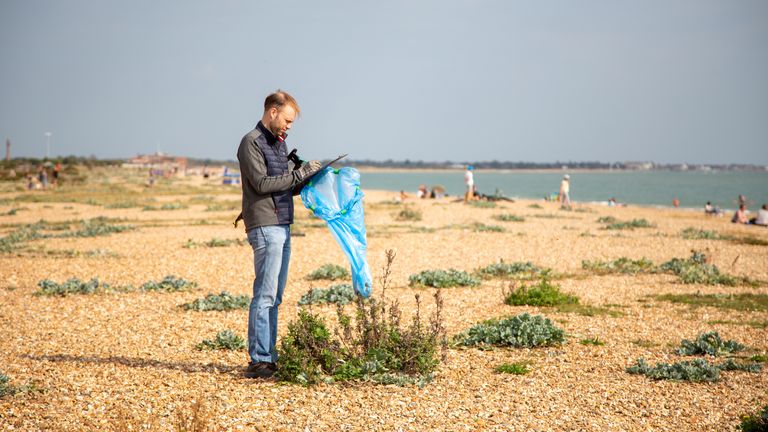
{"x": 160, "y": 161}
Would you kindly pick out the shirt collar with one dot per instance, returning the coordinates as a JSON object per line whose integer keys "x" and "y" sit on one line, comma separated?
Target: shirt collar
{"x": 271, "y": 138}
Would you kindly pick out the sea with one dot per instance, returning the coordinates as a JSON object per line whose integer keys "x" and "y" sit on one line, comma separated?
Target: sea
{"x": 646, "y": 188}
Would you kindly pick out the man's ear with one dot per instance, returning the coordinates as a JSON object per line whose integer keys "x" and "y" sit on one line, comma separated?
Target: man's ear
{"x": 273, "y": 113}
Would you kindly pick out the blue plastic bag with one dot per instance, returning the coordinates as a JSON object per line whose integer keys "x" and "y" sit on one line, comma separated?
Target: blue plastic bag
{"x": 334, "y": 195}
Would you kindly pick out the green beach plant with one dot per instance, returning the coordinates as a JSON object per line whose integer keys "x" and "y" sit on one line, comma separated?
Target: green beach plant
{"x": 337, "y": 294}
{"x": 221, "y": 302}
{"x": 518, "y": 368}
{"x": 521, "y": 270}
{"x": 481, "y": 227}
{"x": 443, "y": 279}
{"x": 709, "y": 343}
{"x": 507, "y": 217}
{"x": 329, "y": 272}
{"x": 755, "y": 422}
{"x": 595, "y": 341}
{"x": 408, "y": 214}
{"x": 169, "y": 284}
{"x": 521, "y": 331}
{"x": 224, "y": 340}
{"x": 482, "y": 204}
{"x": 630, "y": 225}
{"x": 70, "y": 286}
{"x": 691, "y": 233}
{"x": 542, "y": 293}
{"x": 696, "y": 270}
{"x": 621, "y": 265}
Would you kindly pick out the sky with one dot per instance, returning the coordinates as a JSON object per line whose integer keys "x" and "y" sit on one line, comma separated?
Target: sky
{"x": 461, "y": 80}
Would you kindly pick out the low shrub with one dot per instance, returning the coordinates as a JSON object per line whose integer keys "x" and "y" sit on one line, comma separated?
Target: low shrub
{"x": 622, "y": 265}
{"x": 482, "y": 204}
{"x": 700, "y": 234}
{"x": 170, "y": 284}
{"x": 71, "y": 286}
{"x": 221, "y": 302}
{"x": 697, "y": 370}
{"x": 443, "y": 279}
{"x": 329, "y": 272}
{"x": 709, "y": 344}
{"x": 373, "y": 346}
{"x": 214, "y": 242}
{"x": 756, "y": 422}
{"x": 607, "y": 220}
{"x": 696, "y": 270}
{"x": 506, "y": 217}
{"x": 634, "y": 223}
{"x": 759, "y": 358}
{"x": 21, "y": 235}
{"x": 338, "y": 294}
{"x": 481, "y": 227}
{"x": 592, "y": 341}
{"x": 543, "y": 293}
{"x": 408, "y": 214}
{"x": 520, "y": 368}
{"x": 513, "y": 269}
{"x": 97, "y": 227}
{"x": 224, "y": 340}
{"x": 521, "y": 331}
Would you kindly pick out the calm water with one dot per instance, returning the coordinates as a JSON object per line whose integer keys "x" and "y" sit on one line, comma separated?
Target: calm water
{"x": 693, "y": 189}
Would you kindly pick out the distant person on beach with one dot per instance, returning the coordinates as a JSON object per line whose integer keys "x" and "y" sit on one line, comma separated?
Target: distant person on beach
{"x": 42, "y": 177}
{"x": 762, "y": 216}
{"x": 469, "y": 182}
{"x": 268, "y": 188}
{"x": 708, "y": 209}
{"x": 56, "y": 171}
{"x": 675, "y": 202}
{"x": 565, "y": 192}
{"x": 740, "y": 216}
{"x": 422, "y": 192}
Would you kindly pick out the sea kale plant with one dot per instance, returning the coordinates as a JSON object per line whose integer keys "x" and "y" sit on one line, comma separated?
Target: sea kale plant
{"x": 224, "y": 340}
{"x": 521, "y": 331}
{"x": 517, "y": 270}
{"x": 709, "y": 343}
{"x": 338, "y": 294}
{"x": 696, "y": 270}
{"x": 697, "y": 370}
{"x": 71, "y": 286}
{"x": 443, "y": 279}
{"x": 371, "y": 345}
{"x": 221, "y": 302}
{"x": 169, "y": 284}
{"x": 622, "y": 265}
{"x": 329, "y": 272}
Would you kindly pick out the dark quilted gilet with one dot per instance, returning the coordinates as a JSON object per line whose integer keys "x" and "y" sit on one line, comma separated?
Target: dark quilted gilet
{"x": 276, "y": 157}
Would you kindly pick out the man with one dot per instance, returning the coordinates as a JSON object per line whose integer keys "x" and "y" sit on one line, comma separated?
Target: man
{"x": 268, "y": 189}
{"x": 565, "y": 191}
{"x": 469, "y": 181}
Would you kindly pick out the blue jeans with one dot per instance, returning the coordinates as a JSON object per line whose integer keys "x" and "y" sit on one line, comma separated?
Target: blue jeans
{"x": 271, "y": 254}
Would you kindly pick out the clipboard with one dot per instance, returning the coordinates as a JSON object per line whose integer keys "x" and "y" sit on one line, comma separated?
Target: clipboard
{"x": 325, "y": 165}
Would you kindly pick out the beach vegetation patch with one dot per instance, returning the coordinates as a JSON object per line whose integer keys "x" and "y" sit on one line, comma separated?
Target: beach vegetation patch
{"x": 587, "y": 310}
{"x": 518, "y": 368}
{"x": 522, "y": 270}
{"x": 481, "y": 227}
{"x": 214, "y": 242}
{"x": 166, "y": 206}
{"x": 329, "y": 272}
{"x": 482, "y": 204}
{"x": 759, "y": 358}
{"x": 521, "y": 331}
{"x": 70, "y": 286}
{"x": 219, "y": 302}
{"x": 621, "y": 265}
{"x": 337, "y": 294}
{"x": 224, "y": 340}
{"x": 697, "y": 370}
{"x": 629, "y": 225}
{"x": 754, "y": 422}
{"x": 691, "y": 233}
{"x": 696, "y": 270}
{"x": 535, "y": 206}
{"x": 740, "y": 302}
{"x": 749, "y": 323}
{"x": 645, "y": 343}
{"x": 443, "y": 279}
{"x": 409, "y": 214}
{"x": 709, "y": 343}
{"x": 543, "y": 293}
{"x": 169, "y": 283}
{"x": 508, "y": 217}
{"x": 592, "y": 341}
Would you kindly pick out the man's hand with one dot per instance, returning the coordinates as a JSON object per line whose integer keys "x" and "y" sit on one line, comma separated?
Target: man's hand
{"x": 310, "y": 168}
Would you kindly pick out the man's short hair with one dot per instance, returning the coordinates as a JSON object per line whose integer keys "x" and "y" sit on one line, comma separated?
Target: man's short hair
{"x": 279, "y": 99}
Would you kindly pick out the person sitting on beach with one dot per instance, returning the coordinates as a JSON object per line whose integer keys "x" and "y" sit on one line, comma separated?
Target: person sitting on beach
{"x": 740, "y": 216}
{"x": 422, "y": 193}
{"x": 708, "y": 209}
{"x": 762, "y": 216}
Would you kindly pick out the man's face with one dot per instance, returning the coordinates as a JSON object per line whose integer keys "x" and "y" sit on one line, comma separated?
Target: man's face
{"x": 281, "y": 120}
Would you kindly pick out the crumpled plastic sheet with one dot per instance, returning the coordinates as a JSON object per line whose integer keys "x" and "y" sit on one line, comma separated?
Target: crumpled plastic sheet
{"x": 334, "y": 195}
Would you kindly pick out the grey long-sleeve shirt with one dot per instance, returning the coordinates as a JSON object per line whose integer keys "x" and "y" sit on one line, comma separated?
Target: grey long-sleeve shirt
{"x": 265, "y": 188}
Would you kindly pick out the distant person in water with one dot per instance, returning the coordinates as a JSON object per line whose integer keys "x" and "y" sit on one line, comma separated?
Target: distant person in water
{"x": 740, "y": 217}
{"x": 565, "y": 192}
{"x": 469, "y": 182}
